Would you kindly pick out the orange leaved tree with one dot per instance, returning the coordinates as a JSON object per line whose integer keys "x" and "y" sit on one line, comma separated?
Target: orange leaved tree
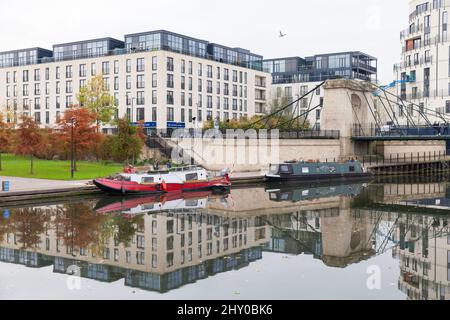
{"x": 5, "y": 138}
{"x": 29, "y": 139}
{"x": 78, "y": 126}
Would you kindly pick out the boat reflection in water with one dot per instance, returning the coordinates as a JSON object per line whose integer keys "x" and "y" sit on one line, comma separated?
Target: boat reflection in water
{"x": 175, "y": 202}
{"x": 302, "y": 193}
{"x": 163, "y": 243}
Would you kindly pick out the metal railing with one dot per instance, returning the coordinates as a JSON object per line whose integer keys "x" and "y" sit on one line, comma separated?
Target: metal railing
{"x": 255, "y": 65}
{"x": 399, "y": 131}
{"x": 245, "y": 134}
{"x": 403, "y": 158}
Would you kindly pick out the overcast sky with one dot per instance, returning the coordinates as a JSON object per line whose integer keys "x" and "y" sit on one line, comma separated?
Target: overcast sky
{"x": 312, "y": 26}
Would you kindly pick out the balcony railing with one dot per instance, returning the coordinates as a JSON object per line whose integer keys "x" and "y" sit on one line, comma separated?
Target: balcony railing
{"x": 410, "y": 32}
{"x": 413, "y": 64}
{"x": 255, "y": 65}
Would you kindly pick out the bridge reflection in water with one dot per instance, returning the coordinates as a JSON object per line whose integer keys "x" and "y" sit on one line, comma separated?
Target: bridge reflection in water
{"x": 160, "y": 244}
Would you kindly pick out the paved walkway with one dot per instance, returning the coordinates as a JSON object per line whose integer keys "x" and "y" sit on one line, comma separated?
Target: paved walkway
{"x": 26, "y": 184}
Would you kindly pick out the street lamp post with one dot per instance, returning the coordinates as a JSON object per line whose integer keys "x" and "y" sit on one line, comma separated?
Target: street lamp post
{"x": 72, "y": 147}
{"x": 132, "y": 109}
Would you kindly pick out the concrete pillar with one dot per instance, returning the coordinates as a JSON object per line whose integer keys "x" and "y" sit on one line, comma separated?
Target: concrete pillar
{"x": 345, "y": 105}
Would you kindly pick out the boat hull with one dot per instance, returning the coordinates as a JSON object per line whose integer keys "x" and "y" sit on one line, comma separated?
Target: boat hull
{"x": 124, "y": 188}
{"x": 319, "y": 177}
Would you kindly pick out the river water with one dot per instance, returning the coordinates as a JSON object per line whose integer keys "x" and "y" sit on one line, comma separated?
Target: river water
{"x": 381, "y": 240}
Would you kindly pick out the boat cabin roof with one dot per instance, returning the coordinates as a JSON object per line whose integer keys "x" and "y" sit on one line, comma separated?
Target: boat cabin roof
{"x": 178, "y": 169}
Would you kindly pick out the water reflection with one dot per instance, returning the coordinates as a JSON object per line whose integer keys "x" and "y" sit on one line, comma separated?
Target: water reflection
{"x": 163, "y": 243}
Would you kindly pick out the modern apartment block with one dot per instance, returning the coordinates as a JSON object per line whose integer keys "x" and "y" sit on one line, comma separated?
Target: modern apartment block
{"x": 162, "y": 78}
{"x": 423, "y": 75}
{"x": 294, "y": 76}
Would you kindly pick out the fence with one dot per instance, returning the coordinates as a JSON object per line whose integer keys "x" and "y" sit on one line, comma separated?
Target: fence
{"x": 237, "y": 134}
{"x": 402, "y": 131}
{"x": 403, "y": 158}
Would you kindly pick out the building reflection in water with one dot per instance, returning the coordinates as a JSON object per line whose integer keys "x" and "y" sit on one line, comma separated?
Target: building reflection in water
{"x": 424, "y": 255}
{"x": 155, "y": 251}
{"x": 163, "y": 243}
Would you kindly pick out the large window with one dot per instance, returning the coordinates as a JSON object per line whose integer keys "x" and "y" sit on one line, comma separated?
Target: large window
{"x": 140, "y": 65}
{"x": 175, "y": 43}
{"x": 105, "y": 68}
{"x": 140, "y": 98}
{"x": 444, "y": 26}
{"x": 170, "y": 97}
{"x": 170, "y": 114}
{"x": 339, "y": 61}
{"x": 144, "y": 42}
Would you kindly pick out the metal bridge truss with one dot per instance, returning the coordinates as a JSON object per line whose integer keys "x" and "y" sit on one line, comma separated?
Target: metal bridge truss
{"x": 389, "y": 103}
{"x": 294, "y": 112}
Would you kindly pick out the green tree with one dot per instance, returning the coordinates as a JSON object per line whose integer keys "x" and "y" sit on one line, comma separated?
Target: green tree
{"x": 128, "y": 142}
{"x": 96, "y": 98}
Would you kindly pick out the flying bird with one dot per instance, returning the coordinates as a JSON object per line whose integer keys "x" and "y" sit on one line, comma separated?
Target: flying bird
{"x": 282, "y": 35}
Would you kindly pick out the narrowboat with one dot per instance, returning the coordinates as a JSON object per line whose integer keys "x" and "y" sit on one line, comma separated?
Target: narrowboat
{"x": 184, "y": 179}
{"x": 316, "y": 171}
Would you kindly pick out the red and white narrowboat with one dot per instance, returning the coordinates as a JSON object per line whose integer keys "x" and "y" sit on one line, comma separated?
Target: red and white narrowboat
{"x": 183, "y": 179}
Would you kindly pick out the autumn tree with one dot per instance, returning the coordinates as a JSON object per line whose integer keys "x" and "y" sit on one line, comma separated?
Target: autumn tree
{"x": 128, "y": 142}
{"x": 96, "y": 98}
{"x": 5, "y": 138}
{"x": 81, "y": 123}
{"x": 29, "y": 139}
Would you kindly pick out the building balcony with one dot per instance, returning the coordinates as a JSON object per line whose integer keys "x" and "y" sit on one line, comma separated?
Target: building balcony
{"x": 432, "y": 42}
{"x": 411, "y": 32}
{"x": 423, "y": 61}
{"x": 362, "y": 65}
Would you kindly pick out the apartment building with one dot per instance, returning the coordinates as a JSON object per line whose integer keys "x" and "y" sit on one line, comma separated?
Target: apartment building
{"x": 293, "y": 77}
{"x": 164, "y": 79}
{"x": 423, "y": 74}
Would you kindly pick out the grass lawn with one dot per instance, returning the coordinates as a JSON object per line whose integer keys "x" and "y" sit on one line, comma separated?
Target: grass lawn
{"x": 54, "y": 170}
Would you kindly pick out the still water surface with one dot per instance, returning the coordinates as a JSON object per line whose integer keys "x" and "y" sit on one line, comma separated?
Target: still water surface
{"x": 351, "y": 241}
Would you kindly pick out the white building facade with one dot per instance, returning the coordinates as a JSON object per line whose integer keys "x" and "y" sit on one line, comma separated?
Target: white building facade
{"x": 164, "y": 79}
{"x": 423, "y": 74}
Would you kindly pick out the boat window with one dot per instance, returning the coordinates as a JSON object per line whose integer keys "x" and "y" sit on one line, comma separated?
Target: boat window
{"x": 148, "y": 180}
{"x": 148, "y": 206}
{"x": 305, "y": 170}
{"x": 191, "y": 176}
{"x": 191, "y": 203}
{"x": 273, "y": 196}
{"x": 285, "y": 168}
{"x": 352, "y": 169}
{"x": 285, "y": 196}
